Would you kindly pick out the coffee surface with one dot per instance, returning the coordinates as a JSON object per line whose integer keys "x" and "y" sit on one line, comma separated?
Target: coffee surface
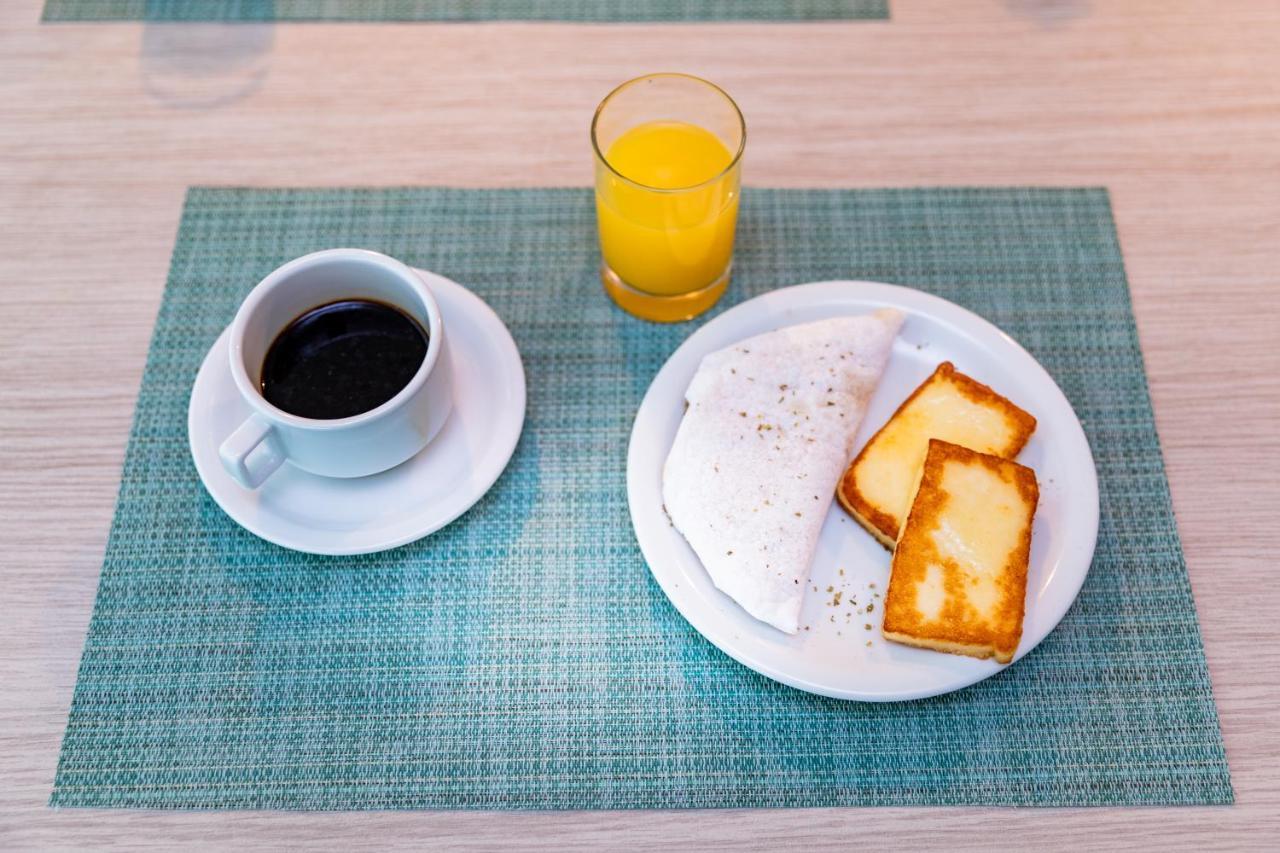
{"x": 342, "y": 359}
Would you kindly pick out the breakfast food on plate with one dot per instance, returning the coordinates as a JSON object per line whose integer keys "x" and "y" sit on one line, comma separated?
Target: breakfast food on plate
{"x": 768, "y": 426}
{"x": 876, "y": 488}
{"x": 959, "y": 574}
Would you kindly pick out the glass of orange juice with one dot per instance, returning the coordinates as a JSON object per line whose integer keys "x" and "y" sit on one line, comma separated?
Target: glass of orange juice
{"x": 668, "y": 152}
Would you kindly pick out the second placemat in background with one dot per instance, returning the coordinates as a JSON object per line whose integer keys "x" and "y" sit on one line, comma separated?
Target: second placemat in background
{"x": 523, "y": 657}
{"x": 464, "y": 10}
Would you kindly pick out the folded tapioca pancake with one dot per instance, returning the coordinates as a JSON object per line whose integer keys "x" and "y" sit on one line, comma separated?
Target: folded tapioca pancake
{"x": 766, "y": 434}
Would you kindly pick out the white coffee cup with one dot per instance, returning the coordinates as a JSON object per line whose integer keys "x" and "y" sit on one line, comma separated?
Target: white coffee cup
{"x": 359, "y": 445}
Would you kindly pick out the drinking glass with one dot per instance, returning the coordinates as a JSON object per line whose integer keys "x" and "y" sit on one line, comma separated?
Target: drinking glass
{"x": 668, "y": 162}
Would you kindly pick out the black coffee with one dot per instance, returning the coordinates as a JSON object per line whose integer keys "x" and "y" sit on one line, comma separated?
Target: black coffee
{"x": 342, "y": 359}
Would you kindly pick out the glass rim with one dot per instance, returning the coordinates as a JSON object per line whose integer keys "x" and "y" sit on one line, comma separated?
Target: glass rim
{"x": 737, "y": 156}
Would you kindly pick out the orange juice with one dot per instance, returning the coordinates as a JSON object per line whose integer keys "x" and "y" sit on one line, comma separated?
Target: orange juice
{"x": 667, "y": 204}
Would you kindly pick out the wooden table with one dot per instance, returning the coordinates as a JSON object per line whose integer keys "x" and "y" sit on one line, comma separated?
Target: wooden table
{"x": 1175, "y": 106}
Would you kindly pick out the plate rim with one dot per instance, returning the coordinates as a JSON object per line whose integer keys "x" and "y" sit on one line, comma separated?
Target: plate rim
{"x": 881, "y": 295}
{"x": 507, "y": 451}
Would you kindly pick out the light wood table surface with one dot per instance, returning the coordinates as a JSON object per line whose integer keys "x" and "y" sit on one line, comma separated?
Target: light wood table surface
{"x": 1175, "y": 106}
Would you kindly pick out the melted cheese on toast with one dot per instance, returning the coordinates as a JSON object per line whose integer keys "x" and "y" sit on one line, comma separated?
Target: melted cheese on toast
{"x": 959, "y": 573}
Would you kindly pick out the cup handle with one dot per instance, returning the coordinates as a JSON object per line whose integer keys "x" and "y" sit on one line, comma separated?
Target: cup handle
{"x": 249, "y": 468}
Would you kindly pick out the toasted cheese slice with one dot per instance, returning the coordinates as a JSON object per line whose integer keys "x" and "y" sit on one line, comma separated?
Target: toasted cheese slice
{"x": 876, "y": 487}
{"x": 958, "y": 580}
{"x": 769, "y": 424}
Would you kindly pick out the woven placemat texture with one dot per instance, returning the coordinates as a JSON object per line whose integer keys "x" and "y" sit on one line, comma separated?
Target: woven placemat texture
{"x": 523, "y": 657}
{"x": 464, "y": 10}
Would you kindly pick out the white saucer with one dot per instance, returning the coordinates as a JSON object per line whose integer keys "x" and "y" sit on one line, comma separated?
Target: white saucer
{"x": 325, "y": 515}
{"x": 832, "y": 657}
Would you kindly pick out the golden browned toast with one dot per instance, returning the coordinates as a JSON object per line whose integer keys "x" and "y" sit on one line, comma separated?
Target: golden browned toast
{"x": 876, "y": 487}
{"x": 958, "y": 581}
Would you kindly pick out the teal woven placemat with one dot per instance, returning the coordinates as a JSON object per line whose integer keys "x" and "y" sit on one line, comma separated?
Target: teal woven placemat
{"x": 463, "y": 10}
{"x": 523, "y": 657}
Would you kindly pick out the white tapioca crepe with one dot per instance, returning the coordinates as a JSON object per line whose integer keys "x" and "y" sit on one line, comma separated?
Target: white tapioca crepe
{"x": 766, "y": 434}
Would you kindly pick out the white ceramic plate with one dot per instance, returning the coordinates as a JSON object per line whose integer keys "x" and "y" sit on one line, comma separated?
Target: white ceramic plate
{"x": 838, "y": 656}
{"x": 325, "y": 515}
